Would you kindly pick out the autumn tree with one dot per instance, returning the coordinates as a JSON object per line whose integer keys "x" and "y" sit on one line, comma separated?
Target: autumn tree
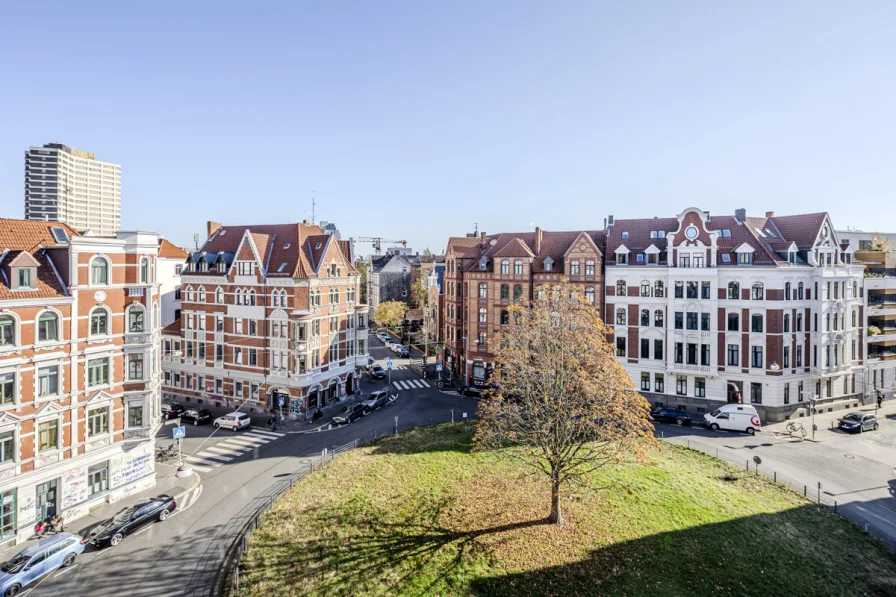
{"x": 363, "y": 267}
{"x": 565, "y": 406}
{"x": 879, "y": 243}
{"x": 420, "y": 294}
{"x": 390, "y": 314}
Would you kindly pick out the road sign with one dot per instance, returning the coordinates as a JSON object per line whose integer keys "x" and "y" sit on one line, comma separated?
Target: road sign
{"x": 282, "y": 400}
{"x": 180, "y": 432}
{"x": 388, "y": 364}
{"x": 439, "y": 367}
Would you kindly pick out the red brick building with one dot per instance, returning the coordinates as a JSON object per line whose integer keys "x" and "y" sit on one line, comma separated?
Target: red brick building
{"x": 268, "y": 311}
{"x": 79, "y": 370}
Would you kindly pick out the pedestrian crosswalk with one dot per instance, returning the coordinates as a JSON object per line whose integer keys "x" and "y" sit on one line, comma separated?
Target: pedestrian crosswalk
{"x": 234, "y": 447}
{"x": 411, "y": 384}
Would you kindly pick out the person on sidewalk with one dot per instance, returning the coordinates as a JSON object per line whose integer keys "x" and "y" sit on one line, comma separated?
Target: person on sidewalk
{"x": 40, "y": 529}
{"x": 57, "y": 524}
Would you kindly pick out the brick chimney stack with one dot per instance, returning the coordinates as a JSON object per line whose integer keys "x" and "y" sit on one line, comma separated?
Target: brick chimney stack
{"x": 769, "y": 214}
{"x": 537, "y": 240}
{"x": 212, "y": 228}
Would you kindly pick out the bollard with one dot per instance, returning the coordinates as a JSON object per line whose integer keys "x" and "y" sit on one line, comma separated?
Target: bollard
{"x": 689, "y": 444}
{"x": 748, "y": 466}
{"x": 452, "y": 415}
{"x": 835, "y": 506}
{"x": 662, "y": 434}
{"x": 819, "y": 494}
{"x": 805, "y": 490}
{"x": 776, "y": 476}
{"x": 866, "y": 526}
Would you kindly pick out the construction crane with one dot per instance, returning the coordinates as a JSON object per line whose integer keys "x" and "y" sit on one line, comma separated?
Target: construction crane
{"x": 377, "y": 242}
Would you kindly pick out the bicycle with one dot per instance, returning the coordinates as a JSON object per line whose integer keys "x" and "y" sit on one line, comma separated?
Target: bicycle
{"x": 796, "y": 429}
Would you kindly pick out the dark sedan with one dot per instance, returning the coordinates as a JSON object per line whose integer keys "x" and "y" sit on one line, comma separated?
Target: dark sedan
{"x": 858, "y": 423}
{"x": 349, "y": 414}
{"x": 128, "y": 520}
{"x": 475, "y": 390}
{"x": 171, "y": 410}
{"x": 197, "y": 416}
{"x": 377, "y": 372}
{"x": 671, "y": 415}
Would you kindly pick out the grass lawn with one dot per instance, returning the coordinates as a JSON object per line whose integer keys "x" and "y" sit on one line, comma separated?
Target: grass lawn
{"x": 421, "y": 515}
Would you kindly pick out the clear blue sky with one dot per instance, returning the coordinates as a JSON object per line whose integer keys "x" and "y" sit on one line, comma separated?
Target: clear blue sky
{"x": 416, "y": 119}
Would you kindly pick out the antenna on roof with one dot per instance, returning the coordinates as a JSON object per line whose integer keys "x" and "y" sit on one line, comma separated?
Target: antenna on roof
{"x": 313, "y": 207}
{"x": 475, "y": 228}
{"x": 196, "y": 241}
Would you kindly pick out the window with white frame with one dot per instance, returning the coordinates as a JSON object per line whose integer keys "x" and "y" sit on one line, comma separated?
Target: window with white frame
{"x": 135, "y": 319}
{"x": 135, "y": 366}
{"x": 48, "y": 435}
{"x": 7, "y": 447}
{"x": 7, "y": 388}
{"x": 98, "y": 372}
{"x": 135, "y": 414}
{"x": 99, "y": 271}
{"x": 48, "y": 381}
{"x": 7, "y": 330}
{"x": 99, "y": 322}
{"x": 47, "y": 327}
{"x": 98, "y": 421}
{"x": 144, "y": 270}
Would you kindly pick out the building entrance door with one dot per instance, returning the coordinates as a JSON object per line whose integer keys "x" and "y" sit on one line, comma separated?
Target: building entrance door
{"x": 46, "y": 499}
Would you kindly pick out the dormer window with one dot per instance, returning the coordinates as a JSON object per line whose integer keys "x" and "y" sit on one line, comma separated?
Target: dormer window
{"x": 222, "y": 267}
{"x": 203, "y": 266}
{"x": 483, "y": 264}
{"x": 622, "y": 258}
{"x": 744, "y": 258}
{"x": 791, "y": 257}
{"x": 548, "y": 264}
{"x": 245, "y": 268}
{"x": 24, "y": 277}
{"x": 625, "y": 236}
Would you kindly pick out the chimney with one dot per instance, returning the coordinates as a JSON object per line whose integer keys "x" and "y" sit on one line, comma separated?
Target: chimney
{"x": 537, "y": 240}
{"x": 470, "y": 235}
{"x": 212, "y": 228}
{"x": 740, "y": 214}
{"x": 609, "y": 220}
{"x": 769, "y": 214}
{"x": 482, "y": 236}
{"x": 306, "y": 222}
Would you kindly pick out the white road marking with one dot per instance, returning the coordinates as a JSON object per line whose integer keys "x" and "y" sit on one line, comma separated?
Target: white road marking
{"x": 245, "y": 442}
{"x": 399, "y": 385}
{"x": 425, "y": 385}
{"x": 64, "y": 570}
{"x": 221, "y": 457}
{"x": 224, "y": 451}
{"x": 192, "y": 459}
{"x": 258, "y": 431}
{"x": 256, "y": 436}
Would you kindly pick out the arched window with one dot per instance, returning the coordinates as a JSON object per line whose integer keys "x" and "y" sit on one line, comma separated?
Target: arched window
{"x": 733, "y": 291}
{"x": 589, "y": 294}
{"x": 658, "y": 318}
{"x": 799, "y": 322}
{"x": 518, "y": 268}
{"x": 483, "y": 290}
{"x": 483, "y": 315}
{"x": 99, "y": 322}
{"x": 505, "y": 292}
{"x": 505, "y": 317}
{"x": 99, "y": 271}
{"x": 47, "y": 327}
{"x": 645, "y": 317}
{"x": 285, "y": 303}
{"x": 136, "y": 319}
{"x": 787, "y": 322}
{"x": 201, "y": 294}
{"x": 517, "y": 292}
{"x": 505, "y": 267}
{"x": 787, "y": 291}
{"x": 219, "y": 295}
{"x": 854, "y": 318}
{"x": 758, "y": 292}
{"x": 251, "y": 297}
{"x": 7, "y": 330}
{"x": 620, "y": 316}
{"x": 275, "y": 298}
{"x": 144, "y": 270}
{"x": 658, "y": 290}
{"x": 589, "y": 267}
{"x": 620, "y": 288}
{"x": 645, "y": 288}
{"x": 189, "y": 295}
{"x": 799, "y": 291}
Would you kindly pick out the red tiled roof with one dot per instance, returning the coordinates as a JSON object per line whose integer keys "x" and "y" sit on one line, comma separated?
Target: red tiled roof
{"x": 168, "y": 250}
{"x": 802, "y": 229}
{"x": 515, "y": 248}
{"x": 522, "y": 244}
{"x": 172, "y": 329}
{"x": 466, "y": 246}
{"x": 638, "y": 236}
{"x": 30, "y": 236}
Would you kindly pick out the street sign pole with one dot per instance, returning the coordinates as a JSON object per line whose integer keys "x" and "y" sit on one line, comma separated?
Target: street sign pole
{"x": 183, "y": 470}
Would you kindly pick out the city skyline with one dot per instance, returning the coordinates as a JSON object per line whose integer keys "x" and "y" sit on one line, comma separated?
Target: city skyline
{"x": 404, "y": 123}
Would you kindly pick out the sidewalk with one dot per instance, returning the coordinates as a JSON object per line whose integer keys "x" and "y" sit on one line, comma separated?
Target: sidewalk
{"x": 827, "y": 422}
{"x": 166, "y": 483}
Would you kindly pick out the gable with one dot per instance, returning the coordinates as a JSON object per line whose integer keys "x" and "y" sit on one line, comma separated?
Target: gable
{"x": 24, "y": 259}
{"x": 582, "y": 244}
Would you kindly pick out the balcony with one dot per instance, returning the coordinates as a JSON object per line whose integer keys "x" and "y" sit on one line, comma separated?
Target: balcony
{"x": 692, "y": 369}
{"x": 135, "y": 290}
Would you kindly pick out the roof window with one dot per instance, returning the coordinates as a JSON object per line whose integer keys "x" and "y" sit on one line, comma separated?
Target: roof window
{"x": 770, "y": 233}
{"x": 59, "y": 234}
{"x": 725, "y": 233}
{"x": 282, "y": 265}
{"x": 759, "y": 232}
{"x": 658, "y": 234}
{"x": 625, "y": 235}
{"x": 317, "y": 246}
{"x": 726, "y": 258}
{"x": 286, "y": 246}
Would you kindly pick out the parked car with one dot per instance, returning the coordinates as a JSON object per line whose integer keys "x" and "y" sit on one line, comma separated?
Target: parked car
{"x": 404, "y": 351}
{"x": 233, "y": 421}
{"x": 172, "y": 409}
{"x": 475, "y": 390}
{"x": 37, "y": 561}
{"x": 734, "y": 417}
{"x": 350, "y": 413}
{"x": 197, "y": 416}
{"x": 857, "y": 422}
{"x": 110, "y": 532}
{"x": 377, "y": 372}
{"x": 671, "y": 415}
{"x": 386, "y": 339}
{"x": 375, "y": 400}
{"x": 370, "y": 363}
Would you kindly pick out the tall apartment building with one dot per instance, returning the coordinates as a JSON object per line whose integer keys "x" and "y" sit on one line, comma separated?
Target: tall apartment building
{"x": 80, "y": 380}
{"x": 708, "y": 310}
{"x": 68, "y": 185}
{"x": 485, "y": 274}
{"x": 268, "y": 312}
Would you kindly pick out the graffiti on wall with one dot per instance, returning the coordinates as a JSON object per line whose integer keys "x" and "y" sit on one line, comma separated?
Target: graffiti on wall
{"x": 74, "y": 486}
{"x": 130, "y": 467}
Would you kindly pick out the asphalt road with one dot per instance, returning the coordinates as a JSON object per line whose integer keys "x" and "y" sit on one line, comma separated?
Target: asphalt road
{"x": 180, "y": 556}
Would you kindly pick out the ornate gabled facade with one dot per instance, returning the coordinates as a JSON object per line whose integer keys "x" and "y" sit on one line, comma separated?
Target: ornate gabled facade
{"x": 714, "y": 309}
{"x": 80, "y": 380}
{"x": 268, "y": 311}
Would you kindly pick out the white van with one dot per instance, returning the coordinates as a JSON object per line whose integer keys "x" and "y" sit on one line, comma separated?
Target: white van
{"x": 734, "y": 417}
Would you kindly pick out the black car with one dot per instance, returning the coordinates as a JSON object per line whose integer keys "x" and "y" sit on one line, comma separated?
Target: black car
{"x": 858, "y": 423}
{"x": 377, "y": 372}
{"x": 349, "y": 414}
{"x": 404, "y": 351}
{"x": 475, "y": 390}
{"x": 128, "y": 520}
{"x": 197, "y": 416}
{"x": 172, "y": 409}
{"x": 671, "y": 415}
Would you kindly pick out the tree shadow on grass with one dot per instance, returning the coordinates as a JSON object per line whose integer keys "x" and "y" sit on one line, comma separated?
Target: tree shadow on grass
{"x": 362, "y": 552}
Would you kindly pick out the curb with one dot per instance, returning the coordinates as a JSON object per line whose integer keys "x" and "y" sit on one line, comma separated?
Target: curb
{"x": 196, "y": 482}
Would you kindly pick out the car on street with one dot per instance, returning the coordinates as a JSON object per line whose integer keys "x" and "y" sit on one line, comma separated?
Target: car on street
{"x": 171, "y": 410}
{"x": 130, "y": 519}
{"x": 858, "y": 422}
{"x": 671, "y": 415}
{"x": 375, "y": 400}
{"x": 233, "y": 421}
{"x": 393, "y": 346}
{"x": 734, "y": 417}
{"x": 350, "y": 413}
{"x": 404, "y": 351}
{"x": 370, "y": 363}
{"x": 377, "y": 372}
{"x": 475, "y": 390}
{"x": 36, "y": 561}
{"x": 385, "y": 339}
{"x": 197, "y": 416}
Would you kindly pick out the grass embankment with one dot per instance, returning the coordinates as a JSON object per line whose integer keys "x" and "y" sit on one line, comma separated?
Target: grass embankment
{"x": 421, "y": 515}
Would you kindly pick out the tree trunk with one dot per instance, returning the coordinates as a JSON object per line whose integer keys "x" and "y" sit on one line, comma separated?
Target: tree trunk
{"x": 556, "y": 516}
